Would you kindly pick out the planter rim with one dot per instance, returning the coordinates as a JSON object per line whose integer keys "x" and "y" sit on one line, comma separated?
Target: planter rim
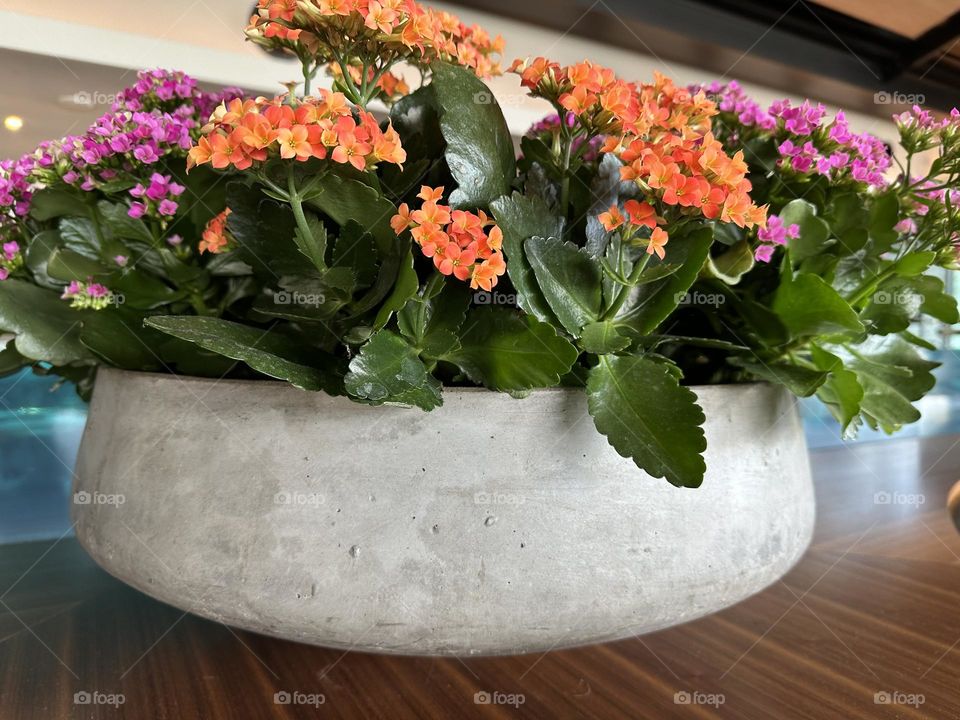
{"x": 698, "y": 389}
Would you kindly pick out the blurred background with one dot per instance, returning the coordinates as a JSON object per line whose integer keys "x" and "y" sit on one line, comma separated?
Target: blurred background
{"x": 64, "y": 61}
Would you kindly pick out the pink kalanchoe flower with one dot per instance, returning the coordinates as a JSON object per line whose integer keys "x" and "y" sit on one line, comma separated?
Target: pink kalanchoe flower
{"x": 175, "y": 240}
{"x": 764, "y": 253}
{"x": 121, "y": 260}
{"x": 776, "y": 232}
{"x": 137, "y": 210}
{"x": 11, "y": 250}
{"x": 4, "y": 273}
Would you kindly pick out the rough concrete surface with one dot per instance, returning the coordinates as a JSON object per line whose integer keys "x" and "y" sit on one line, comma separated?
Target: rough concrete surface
{"x": 489, "y": 526}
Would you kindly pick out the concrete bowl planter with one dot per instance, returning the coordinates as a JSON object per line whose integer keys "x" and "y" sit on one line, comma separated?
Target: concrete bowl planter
{"x": 489, "y": 526}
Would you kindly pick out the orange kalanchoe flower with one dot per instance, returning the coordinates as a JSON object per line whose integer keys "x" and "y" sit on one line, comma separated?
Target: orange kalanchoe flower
{"x": 243, "y": 133}
{"x": 215, "y": 238}
{"x": 374, "y": 34}
{"x": 459, "y": 242}
{"x": 660, "y": 132}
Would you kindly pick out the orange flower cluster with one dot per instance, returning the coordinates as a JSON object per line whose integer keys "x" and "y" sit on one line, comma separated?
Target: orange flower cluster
{"x": 603, "y": 104}
{"x": 639, "y": 214}
{"x": 215, "y": 238}
{"x": 457, "y": 240}
{"x": 248, "y": 131}
{"x": 660, "y": 132}
{"x": 332, "y": 30}
{"x": 693, "y": 172}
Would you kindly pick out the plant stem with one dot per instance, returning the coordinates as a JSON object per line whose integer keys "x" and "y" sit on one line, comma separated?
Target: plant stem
{"x": 565, "y": 170}
{"x": 297, "y": 204}
{"x": 625, "y": 290}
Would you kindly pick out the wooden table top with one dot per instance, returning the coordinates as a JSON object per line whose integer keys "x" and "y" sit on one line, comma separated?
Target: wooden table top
{"x": 866, "y": 626}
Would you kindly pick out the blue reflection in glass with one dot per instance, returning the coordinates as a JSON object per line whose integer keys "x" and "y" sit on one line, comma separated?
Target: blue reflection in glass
{"x": 40, "y": 431}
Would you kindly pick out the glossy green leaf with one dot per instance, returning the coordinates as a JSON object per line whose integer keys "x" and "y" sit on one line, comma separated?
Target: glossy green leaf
{"x": 265, "y": 351}
{"x": 808, "y": 306}
{"x": 47, "y": 328}
{"x": 521, "y": 217}
{"x": 479, "y": 145}
{"x": 814, "y": 232}
{"x": 569, "y": 280}
{"x": 504, "y": 350}
{"x": 602, "y": 338}
{"x": 646, "y": 415}
{"x": 388, "y": 371}
{"x": 652, "y": 303}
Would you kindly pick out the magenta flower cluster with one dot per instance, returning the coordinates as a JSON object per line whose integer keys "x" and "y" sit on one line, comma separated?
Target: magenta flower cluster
{"x": 157, "y": 198}
{"x": 160, "y": 115}
{"x": 807, "y": 143}
{"x": 11, "y": 259}
{"x": 15, "y": 191}
{"x": 731, "y": 98}
{"x": 774, "y": 234}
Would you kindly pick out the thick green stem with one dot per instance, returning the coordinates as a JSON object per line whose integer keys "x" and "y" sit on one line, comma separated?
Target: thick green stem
{"x": 565, "y": 177}
{"x": 625, "y": 291}
{"x": 293, "y": 196}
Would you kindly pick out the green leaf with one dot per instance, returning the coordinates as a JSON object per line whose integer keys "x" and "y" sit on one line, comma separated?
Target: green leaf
{"x": 569, "y": 279}
{"x": 841, "y": 393}
{"x": 265, "y": 351}
{"x": 884, "y": 214}
{"x": 479, "y": 146}
{"x": 504, "y": 350}
{"x": 814, "y": 232}
{"x": 354, "y": 249}
{"x": 388, "y": 371}
{"x": 893, "y": 376}
{"x": 314, "y": 246}
{"x": 346, "y": 199}
{"x": 602, "y": 338}
{"x": 120, "y": 339}
{"x": 521, "y": 217}
{"x": 801, "y": 381}
{"x": 936, "y": 302}
{"x": 405, "y": 288}
{"x": 47, "y": 328}
{"x": 66, "y": 265}
{"x": 646, "y": 415}
{"x": 808, "y": 306}
{"x": 652, "y": 303}
{"x": 431, "y": 323}
{"x": 121, "y": 225}
{"x": 914, "y": 263}
{"x": 49, "y": 203}
{"x": 732, "y": 265}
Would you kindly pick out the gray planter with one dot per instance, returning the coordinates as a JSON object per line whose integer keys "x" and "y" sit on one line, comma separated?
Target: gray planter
{"x": 489, "y": 526}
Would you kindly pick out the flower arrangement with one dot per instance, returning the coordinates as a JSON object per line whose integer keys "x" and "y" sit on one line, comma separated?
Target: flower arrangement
{"x": 648, "y": 237}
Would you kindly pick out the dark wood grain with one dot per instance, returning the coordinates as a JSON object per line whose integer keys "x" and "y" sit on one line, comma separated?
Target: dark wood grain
{"x": 873, "y": 607}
